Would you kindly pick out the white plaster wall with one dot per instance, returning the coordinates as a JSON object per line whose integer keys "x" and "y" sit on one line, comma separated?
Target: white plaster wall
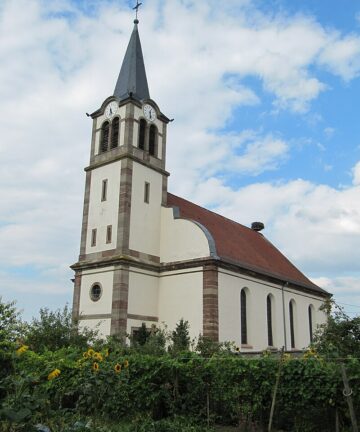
{"x": 103, "y": 305}
{"x": 181, "y": 296}
{"x": 143, "y": 293}
{"x": 301, "y": 317}
{"x": 100, "y": 120}
{"x": 102, "y": 326}
{"x": 145, "y": 217}
{"x": 230, "y": 285}
{"x": 103, "y": 213}
{"x": 181, "y": 239}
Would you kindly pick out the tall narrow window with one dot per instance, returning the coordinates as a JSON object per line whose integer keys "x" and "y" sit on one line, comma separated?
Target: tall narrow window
{"x": 292, "y": 328}
{"x": 104, "y": 190}
{"x": 152, "y": 140}
{"x": 108, "y": 233}
{"x": 310, "y": 324}
{"x": 93, "y": 237}
{"x": 244, "y": 339}
{"x": 104, "y": 140}
{"x": 147, "y": 192}
{"x": 115, "y": 133}
{"x": 142, "y": 128}
{"x": 269, "y": 321}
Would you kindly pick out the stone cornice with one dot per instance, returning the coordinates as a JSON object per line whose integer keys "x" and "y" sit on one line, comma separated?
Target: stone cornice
{"x": 188, "y": 264}
{"x": 98, "y": 164}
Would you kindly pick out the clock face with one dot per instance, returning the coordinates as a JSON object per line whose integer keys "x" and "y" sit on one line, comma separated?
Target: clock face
{"x": 111, "y": 109}
{"x": 149, "y": 112}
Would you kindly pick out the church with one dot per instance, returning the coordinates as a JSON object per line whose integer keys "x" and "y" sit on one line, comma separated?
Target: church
{"x": 148, "y": 256}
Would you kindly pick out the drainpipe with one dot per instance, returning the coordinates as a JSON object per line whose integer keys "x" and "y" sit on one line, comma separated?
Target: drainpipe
{"x": 284, "y": 321}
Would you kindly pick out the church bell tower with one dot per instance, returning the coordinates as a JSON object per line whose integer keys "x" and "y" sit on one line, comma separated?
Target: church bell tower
{"x": 126, "y": 185}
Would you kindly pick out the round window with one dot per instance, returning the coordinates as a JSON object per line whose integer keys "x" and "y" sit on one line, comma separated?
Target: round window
{"x": 95, "y": 292}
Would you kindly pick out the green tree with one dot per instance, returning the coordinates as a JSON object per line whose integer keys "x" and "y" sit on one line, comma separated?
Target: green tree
{"x": 340, "y": 335}
{"x": 56, "y": 329}
{"x": 141, "y": 336}
{"x": 11, "y": 326}
{"x": 180, "y": 337}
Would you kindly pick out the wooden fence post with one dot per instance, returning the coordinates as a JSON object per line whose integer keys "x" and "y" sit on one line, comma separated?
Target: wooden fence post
{"x": 275, "y": 390}
{"x": 347, "y": 392}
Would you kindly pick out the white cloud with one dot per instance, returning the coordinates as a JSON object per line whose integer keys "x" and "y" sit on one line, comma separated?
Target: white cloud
{"x": 342, "y": 56}
{"x": 329, "y": 132}
{"x": 316, "y": 226}
{"x": 197, "y": 56}
{"x": 260, "y": 154}
{"x": 356, "y": 174}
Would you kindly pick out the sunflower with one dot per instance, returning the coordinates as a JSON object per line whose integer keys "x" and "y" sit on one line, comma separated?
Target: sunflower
{"x": 98, "y": 357}
{"x": 54, "y": 374}
{"x": 22, "y": 349}
{"x": 237, "y": 349}
{"x": 107, "y": 352}
{"x": 126, "y": 364}
{"x": 117, "y": 368}
{"x": 90, "y": 352}
{"x": 95, "y": 366}
{"x": 86, "y": 355}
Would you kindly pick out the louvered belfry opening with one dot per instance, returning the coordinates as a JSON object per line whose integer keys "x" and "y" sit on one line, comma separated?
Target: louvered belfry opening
{"x": 115, "y": 125}
{"x": 142, "y": 129}
{"x": 104, "y": 141}
{"x": 152, "y": 140}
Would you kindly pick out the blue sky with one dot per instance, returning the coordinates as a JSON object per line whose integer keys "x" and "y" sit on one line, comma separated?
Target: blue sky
{"x": 265, "y": 96}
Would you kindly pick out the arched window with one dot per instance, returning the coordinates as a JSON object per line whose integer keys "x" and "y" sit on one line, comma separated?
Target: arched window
{"x": 115, "y": 133}
{"x": 311, "y": 317}
{"x": 292, "y": 323}
{"x": 269, "y": 315}
{"x": 243, "y": 318}
{"x": 104, "y": 140}
{"x": 142, "y": 129}
{"x": 152, "y": 140}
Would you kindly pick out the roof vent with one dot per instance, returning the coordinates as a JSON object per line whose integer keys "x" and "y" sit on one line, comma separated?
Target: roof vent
{"x": 257, "y": 226}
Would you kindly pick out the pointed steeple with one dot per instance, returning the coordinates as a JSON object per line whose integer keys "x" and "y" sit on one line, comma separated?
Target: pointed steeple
{"x": 132, "y": 77}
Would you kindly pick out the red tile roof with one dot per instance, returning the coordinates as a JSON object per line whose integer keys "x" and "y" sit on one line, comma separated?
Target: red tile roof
{"x": 241, "y": 245}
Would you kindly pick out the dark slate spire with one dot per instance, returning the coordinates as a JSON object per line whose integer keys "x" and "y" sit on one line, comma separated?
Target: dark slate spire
{"x": 132, "y": 77}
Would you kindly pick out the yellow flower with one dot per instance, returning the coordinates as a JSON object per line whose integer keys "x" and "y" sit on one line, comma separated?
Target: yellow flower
{"x": 117, "y": 368}
{"x": 126, "y": 364}
{"x": 107, "y": 352}
{"x": 98, "y": 357}
{"x": 22, "y": 349}
{"x": 95, "y": 366}
{"x": 237, "y": 349}
{"x": 286, "y": 357}
{"x": 311, "y": 353}
{"x": 86, "y": 355}
{"x": 90, "y": 352}
{"x": 54, "y": 374}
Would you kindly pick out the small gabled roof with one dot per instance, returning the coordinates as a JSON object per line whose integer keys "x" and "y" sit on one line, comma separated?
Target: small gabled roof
{"x": 242, "y": 246}
{"x": 132, "y": 78}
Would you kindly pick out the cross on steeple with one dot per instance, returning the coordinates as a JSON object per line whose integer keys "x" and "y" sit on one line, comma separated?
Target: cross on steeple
{"x": 132, "y": 78}
{"x": 136, "y": 8}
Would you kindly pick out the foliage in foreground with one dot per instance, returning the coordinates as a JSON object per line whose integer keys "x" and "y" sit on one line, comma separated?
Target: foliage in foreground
{"x": 115, "y": 386}
{"x": 55, "y": 382}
